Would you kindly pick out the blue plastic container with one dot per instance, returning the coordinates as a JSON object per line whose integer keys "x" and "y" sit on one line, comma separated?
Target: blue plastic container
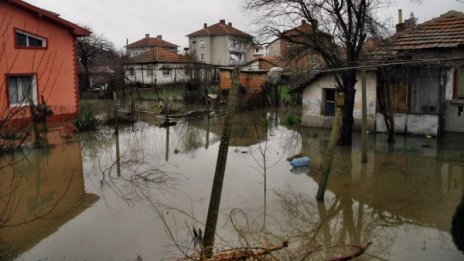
{"x": 300, "y": 162}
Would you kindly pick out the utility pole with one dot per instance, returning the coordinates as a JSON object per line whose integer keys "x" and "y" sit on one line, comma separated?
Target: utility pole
{"x": 216, "y": 191}
{"x": 364, "y": 116}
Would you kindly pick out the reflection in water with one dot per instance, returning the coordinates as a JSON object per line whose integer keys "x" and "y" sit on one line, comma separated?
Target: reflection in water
{"x": 118, "y": 154}
{"x": 457, "y": 226}
{"x": 167, "y": 143}
{"x": 39, "y": 194}
{"x": 402, "y": 200}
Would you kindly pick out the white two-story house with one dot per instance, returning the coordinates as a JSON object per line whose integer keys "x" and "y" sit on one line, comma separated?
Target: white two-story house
{"x": 221, "y": 44}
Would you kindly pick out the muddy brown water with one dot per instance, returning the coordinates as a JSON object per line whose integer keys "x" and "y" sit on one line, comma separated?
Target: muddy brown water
{"x": 139, "y": 194}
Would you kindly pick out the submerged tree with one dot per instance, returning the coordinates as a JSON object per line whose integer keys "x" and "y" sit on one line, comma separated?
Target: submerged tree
{"x": 338, "y": 31}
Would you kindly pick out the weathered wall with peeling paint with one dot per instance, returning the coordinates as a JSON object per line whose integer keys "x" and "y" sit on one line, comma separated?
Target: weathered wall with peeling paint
{"x": 313, "y": 102}
{"x": 411, "y": 123}
{"x": 454, "y": 120}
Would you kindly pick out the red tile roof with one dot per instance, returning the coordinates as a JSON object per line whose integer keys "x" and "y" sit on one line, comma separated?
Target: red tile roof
{"x": 446, "y": 31}
{"x": 220, "y": 28}
{"x": 160, "y": 55}
{"x": 75, "y": 30}
{"x": 277, "y": 61}
{"x": 303, "y": 28}
{"x": 152, "y": 42}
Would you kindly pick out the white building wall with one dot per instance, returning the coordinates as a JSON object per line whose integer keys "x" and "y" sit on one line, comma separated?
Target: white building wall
{"x": 217, "y": 49}
{"x": 313, "y": 102}
{"x": 176, "y": 74}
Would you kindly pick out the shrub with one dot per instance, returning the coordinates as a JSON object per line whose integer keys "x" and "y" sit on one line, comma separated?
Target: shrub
{"x": 291, "y": 119}
{"x": 86, "y": 122}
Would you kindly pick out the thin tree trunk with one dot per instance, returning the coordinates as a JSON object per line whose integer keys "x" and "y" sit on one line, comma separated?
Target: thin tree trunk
{"x": 328, "y": 156}
{"x": 382, "y": 93}
{"x": 215, "y": 200}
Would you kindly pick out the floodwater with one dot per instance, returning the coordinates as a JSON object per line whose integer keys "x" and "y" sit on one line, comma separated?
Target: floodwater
{"x": 137, "y": 196}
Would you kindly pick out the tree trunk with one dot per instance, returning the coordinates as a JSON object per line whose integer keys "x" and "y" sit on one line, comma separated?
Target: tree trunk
{"x": 385, "y": 108}
{"x": 347, "y": 129}
{"x": 215, "y": 200}
{"x": 86, "y": 75}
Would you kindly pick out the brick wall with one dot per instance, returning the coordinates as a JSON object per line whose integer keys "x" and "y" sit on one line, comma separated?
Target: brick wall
{"x": 253, "y": 82}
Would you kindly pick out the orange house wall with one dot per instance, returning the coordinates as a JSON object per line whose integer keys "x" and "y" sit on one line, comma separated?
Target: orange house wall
{"x": 54, "y": 66}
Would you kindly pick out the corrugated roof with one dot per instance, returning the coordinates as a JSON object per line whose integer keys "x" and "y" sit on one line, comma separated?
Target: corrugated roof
{"x": 50, "y": 16}
{"x": 152, "y": 42}
{"x": 220, "y": 28}
{"x": 446, "y": 31}
{"x": 160, "y": 55}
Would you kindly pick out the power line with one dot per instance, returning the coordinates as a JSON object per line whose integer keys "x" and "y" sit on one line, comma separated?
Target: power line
{"x": 389, "y": 64}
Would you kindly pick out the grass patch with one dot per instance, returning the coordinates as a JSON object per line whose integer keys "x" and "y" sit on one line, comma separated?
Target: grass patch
{"x": 86, "y": 122}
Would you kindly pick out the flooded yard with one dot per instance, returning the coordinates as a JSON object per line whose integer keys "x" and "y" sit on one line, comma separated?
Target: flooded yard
{"x": 139, "y": 195}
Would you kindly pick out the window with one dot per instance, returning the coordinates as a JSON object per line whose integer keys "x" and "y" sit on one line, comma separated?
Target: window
{"x": 459, "y": 84}
{"x": 131, "y": 71}
{"x": 329, "y": 102}
{"x": 24, "y": 39}
{"x": 202, "y": 43}
{"x": 150, "y": 71}
{"x": 20, "y": 88}
{"x": 166, "y": 73}
{"x": 202, "y": 57}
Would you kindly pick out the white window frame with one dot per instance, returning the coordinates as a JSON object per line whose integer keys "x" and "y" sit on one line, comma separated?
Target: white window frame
{"x": 166, "y": 72}
{"x": 19, "y": 90}
{"x": 28, "y": 36}
{"x": 202, "y": 57}
{"x": 202, "y": 43}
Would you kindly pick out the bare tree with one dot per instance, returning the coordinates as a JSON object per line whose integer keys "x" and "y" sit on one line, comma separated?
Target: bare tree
{"x": 91, "y": 50}
{"x": 338, "y": 31}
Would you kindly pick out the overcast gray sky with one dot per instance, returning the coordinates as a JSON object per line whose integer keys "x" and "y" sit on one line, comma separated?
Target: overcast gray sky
{"x": 119, "y": 20}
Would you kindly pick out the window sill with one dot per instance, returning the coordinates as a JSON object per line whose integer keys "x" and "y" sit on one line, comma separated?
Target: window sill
{"x": 457, "y": 101}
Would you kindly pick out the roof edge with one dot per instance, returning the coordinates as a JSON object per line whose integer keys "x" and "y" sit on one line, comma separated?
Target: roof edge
{"x": 76, "y": 30}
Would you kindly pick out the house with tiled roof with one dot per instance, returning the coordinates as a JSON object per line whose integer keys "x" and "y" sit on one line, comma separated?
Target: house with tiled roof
{"x": 37, "y": 62}
{"x": 159, "y": 66}
{"x": 148, "y": 43}
{"x": 221, "y": 44}
{"x": 415, "y": 81}
{"x": 296, "y": 59}
{"x": 427, "y": 83}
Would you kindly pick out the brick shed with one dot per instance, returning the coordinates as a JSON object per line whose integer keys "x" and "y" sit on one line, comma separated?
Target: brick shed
{"x": 252, "y": 82}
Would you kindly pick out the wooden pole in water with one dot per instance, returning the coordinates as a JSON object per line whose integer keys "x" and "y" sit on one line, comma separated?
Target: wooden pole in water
{"x": 364, "y": 117}
{"x": 115, "y": 109}
{"x": 216, "y": 191}
{"x": 328, "y": 156}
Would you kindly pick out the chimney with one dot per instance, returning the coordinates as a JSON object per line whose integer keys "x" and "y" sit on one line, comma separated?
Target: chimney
{"x": 159, "y": 37}
{"x": 230, "y": 24}
{"x": 147, "y": 35}
{"x": 315, "y": 24}
{"x": 222, "y": 21}
{"x": 127, "y": 42}
{"x": 205, "y": 25}
{"x": 303, "y": 22}
{"x": 400, "y": 26}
